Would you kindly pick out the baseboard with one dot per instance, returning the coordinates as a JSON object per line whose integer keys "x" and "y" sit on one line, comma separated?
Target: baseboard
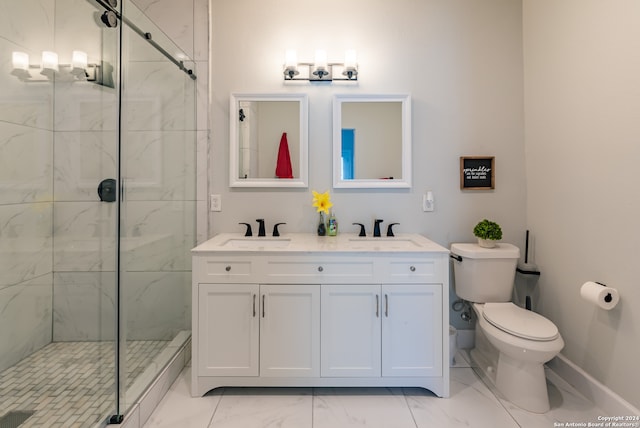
{"x": 607, "y": 400}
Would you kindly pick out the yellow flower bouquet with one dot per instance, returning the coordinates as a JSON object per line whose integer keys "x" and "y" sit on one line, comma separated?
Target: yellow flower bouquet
{"x": 322, "y": 202}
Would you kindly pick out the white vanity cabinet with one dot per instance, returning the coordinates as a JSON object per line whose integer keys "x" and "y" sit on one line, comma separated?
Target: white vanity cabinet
{"x": 266, "y": 330}
{"x": 381, "y": 330}
{"x": 320, "y": 311}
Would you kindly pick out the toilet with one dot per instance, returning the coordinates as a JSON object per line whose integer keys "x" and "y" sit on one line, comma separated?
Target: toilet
{"x": 511, "y": 343}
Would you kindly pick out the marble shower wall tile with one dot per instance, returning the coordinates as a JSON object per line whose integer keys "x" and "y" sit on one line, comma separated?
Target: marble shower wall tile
{"x": 84, "y": 306}
{"x": 160, "y": 165}
{"x": 170, "y": 224}
{"x": 174, "y": 18}
{"x": 84, "y": 106}
{"x": 202, "y": 95}
{"x": 84, "y": 236}
{"x": 156, "y": 304}
{"x": 26, "y": 157}
{"x": 25, "y": 242}
{"x": 25, "y": 319}
{"x": 24, "y": 103}
{"x": 157, "y": 236}
{"x": 81, "y": 161}
{"x": 158, "y": 97}
{"x": 200, "y": 30}
{"x": 28, "y": 23}
{"x": 77, "y": 27}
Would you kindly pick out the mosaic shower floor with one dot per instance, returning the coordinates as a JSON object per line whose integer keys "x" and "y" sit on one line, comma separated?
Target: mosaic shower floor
{"x": 70, "y": 384}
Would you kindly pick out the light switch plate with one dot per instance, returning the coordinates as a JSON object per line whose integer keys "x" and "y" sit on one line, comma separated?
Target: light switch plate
{"x": 428, "y": 202}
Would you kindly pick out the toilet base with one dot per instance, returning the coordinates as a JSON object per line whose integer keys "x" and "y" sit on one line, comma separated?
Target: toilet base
{"x": 524, "y": 384}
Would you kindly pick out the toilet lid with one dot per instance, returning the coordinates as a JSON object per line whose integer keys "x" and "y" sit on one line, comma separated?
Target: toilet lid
{"x": 519, "y": 322}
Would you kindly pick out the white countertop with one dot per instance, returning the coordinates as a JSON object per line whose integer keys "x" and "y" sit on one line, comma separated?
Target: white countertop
{"x": 311, "y": 243}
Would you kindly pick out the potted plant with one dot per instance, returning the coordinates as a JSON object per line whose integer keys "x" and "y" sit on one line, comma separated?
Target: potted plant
{"x": 487, "y": 232}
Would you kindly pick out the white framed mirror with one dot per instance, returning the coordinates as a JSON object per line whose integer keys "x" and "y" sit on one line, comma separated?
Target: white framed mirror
{"x": 268, "y": 140}
{"x": 372, "y": 141}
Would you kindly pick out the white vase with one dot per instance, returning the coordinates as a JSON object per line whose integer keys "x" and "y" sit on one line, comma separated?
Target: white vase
{"x": 486, "y": 243}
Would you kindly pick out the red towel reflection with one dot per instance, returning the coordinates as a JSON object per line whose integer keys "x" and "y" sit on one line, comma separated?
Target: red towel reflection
{"x": 283, "y": 165}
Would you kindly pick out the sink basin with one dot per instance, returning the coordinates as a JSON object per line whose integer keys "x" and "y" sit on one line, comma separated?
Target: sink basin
{"x": 257, "y": 243}
{"x": 383, "y": 243}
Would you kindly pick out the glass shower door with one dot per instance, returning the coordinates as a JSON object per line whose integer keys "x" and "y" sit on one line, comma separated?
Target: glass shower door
{"x": 157, "y": 146}
{"x": 85, "y": 211}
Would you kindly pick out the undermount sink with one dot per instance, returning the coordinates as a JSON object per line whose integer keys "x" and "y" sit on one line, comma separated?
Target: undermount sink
{"x": 383, "y": 243}
{"x": 258, "y": 243}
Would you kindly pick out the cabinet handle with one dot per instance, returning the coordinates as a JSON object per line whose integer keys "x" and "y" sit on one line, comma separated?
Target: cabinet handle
{"x": 386, "y": 305}
{"x": 228, "y": 268}
{"x": 320, "y": 268}
{"x": 377, "y": 306}
{"x": 263, "y": 306}
{"x": 412, "y": 268}
{"x": 254, "y": 305}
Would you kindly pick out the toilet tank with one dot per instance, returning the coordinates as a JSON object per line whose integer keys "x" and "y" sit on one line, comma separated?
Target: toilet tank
{"x": 484, "y": 274}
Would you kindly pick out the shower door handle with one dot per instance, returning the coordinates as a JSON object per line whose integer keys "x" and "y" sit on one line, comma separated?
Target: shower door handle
{"x": 107, "y": 190}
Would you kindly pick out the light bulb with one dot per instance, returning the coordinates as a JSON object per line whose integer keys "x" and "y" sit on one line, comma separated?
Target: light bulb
{"x": 321, "y": 59}
{"x": 49, "y": 61}
{"x": 79, "y": 60}
{"x": 350, "y": 60}
{"x": 20, "y": 61}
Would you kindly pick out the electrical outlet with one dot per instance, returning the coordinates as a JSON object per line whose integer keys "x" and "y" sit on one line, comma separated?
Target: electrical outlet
{"x": 216, "y": 203}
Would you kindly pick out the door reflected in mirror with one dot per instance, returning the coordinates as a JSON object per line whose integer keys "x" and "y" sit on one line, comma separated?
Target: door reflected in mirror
{"x": 268, "y": 140}
{"x": 372, "y": 141}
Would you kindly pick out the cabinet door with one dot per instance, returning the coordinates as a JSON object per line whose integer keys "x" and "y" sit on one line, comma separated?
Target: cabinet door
{"x": 412, "y": 330}
{"x": 228, "y": 325}
{"x": 350, "y": 330}
{"x": 290, "y": 330}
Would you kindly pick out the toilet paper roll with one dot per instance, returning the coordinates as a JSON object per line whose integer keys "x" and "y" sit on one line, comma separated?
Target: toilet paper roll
{"x": 605, "y": 297}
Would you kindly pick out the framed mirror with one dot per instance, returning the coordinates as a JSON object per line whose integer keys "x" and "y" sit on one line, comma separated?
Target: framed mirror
{"x": 372, "y": 141}
{"x": 268, "y": 140}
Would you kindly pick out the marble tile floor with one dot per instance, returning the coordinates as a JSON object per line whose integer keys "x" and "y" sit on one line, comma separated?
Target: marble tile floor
{"x": 70, "y": 384}
{"x": 472, "y": 404}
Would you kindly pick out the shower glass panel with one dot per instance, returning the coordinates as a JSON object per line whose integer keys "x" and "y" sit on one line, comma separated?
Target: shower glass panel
{"x": 97, "y": 211}
{"x": 158, "y": 148}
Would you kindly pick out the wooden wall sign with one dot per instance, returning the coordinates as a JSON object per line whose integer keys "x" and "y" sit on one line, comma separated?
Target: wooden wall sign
{"x": 477, "y": 172}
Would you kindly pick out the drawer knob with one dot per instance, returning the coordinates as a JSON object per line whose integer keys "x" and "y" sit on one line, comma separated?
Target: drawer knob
{"x": 320, "y": 268}
{"x": 228, "y": 268}
{"x": 412, "y": 268}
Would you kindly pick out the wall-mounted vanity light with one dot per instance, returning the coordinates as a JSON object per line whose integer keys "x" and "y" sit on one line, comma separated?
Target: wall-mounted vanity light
{"x": 320, "y": 70}
{"x": 79, "y": 69}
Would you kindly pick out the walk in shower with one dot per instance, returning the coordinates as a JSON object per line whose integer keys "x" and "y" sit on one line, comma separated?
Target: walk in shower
{"x": 97, "y": 208}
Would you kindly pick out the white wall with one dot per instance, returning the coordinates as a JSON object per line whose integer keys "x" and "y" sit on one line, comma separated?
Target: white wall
{"x": 462, "y": 63}
{"x": 582, "y": 93}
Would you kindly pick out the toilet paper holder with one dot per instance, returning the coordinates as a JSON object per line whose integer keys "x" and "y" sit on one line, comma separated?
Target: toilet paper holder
{"x": 608, "y": 298}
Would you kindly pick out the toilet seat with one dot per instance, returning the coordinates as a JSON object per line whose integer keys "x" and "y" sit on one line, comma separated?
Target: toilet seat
{"x": 519, "y": 322}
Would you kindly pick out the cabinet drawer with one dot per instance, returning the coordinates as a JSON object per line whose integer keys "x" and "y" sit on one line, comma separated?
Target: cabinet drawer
{"x": 325, "y": 271}
{"x": 227, "y": 270}
{"x": 425, "y": 270}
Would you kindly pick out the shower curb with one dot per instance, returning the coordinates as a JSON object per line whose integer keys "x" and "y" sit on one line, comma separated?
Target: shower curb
{"x": 142, "y": 409}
